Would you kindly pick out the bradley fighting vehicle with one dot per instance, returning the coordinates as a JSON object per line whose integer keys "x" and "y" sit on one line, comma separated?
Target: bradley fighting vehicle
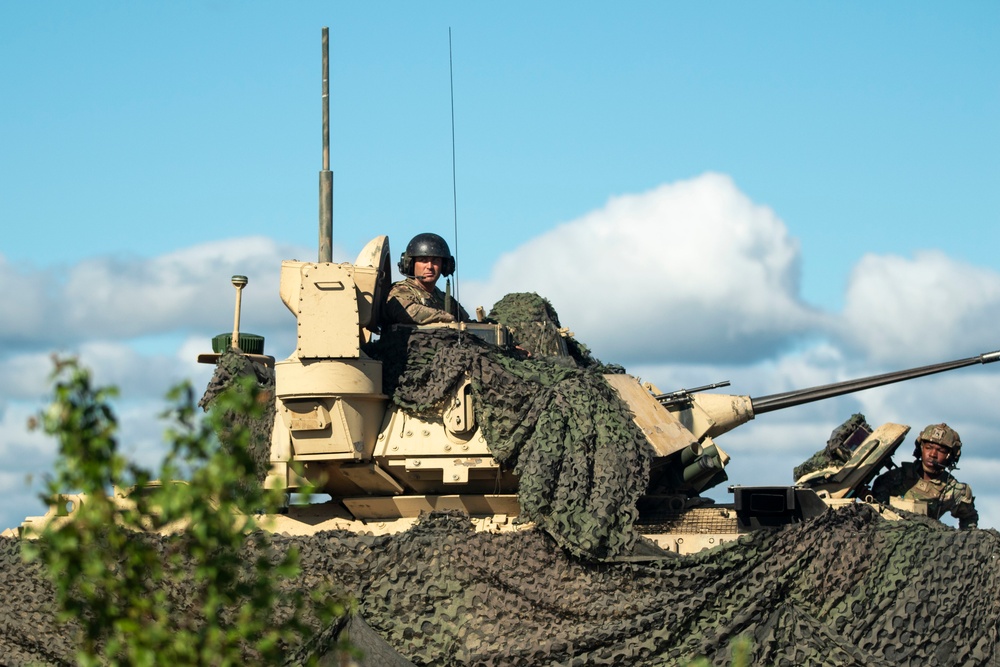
{"x": 337, "y": 432}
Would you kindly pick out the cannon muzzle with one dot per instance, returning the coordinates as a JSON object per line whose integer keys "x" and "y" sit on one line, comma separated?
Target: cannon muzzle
{"x": 790, "y": 399}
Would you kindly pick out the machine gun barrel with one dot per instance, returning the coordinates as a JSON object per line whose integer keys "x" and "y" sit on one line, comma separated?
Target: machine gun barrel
{"x": 682, "y": 395}
{"x": 790, "y": 399}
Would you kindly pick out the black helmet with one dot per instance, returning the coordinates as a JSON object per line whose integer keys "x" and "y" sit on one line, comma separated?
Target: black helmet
{"x": 427, "y": 245}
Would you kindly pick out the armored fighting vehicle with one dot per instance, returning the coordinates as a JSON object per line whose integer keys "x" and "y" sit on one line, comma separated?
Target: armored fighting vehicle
{"x": 341, "y": 429}
{"x": 337, "y": 430}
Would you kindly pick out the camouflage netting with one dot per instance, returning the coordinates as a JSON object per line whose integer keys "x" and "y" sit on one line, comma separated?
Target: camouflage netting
{"x": 838, "y": 450}
{"x": 532, "y": 321}
{"x": 846, "y": 588}
{"x": 535, "y": 326}
{"x": 581, "y": 460}
{"x": 231, "y": 366}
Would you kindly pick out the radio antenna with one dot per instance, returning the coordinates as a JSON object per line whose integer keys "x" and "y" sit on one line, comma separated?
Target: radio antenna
{"x": 454, "y": 179}
{"x": 326, "y": 176}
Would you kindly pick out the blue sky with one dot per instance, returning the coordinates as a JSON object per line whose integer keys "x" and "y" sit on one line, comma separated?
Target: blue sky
{"x": 772, "y": 193}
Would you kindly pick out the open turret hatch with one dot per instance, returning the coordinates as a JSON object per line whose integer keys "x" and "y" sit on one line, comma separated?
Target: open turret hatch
{"x": 373, "y": 288}
{"x": 854, "y": 476}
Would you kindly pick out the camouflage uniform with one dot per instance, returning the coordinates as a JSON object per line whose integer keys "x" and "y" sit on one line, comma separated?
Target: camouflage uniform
{"x": 944, "y": 494}
{"x": 409, "y": 303}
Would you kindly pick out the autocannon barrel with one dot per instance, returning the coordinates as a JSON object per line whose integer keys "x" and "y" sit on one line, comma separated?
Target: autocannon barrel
{"x": 790, "y": 399}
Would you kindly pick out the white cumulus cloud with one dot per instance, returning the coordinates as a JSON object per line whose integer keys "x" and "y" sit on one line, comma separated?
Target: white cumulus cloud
{"x": 692, "y": 271}
{"x": 927, "y": 308}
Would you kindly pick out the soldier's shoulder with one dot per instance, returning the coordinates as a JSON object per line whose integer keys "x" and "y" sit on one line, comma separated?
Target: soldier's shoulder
{"x": 402, "y": 287}
{"x": 959, "y": 489}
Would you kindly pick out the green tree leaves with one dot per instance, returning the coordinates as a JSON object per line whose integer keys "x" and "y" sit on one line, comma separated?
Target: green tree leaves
{"x": 175, "y": 571}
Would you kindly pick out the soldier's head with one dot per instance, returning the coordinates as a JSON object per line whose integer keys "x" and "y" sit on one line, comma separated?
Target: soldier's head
{"x": 938, "y": 447}
{"x": 426, "y": 258}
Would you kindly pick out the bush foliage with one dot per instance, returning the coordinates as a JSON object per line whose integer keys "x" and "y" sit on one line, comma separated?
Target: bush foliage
{"x": 175, "y": 571}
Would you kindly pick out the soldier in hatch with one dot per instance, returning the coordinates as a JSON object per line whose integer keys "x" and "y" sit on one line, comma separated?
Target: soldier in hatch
{"x": 927, "y": 479}
{"x": 417, "y": 300}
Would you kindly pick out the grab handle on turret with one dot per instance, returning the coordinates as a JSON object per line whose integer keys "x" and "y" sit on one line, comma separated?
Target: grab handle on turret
{"x": 790, "y": 399}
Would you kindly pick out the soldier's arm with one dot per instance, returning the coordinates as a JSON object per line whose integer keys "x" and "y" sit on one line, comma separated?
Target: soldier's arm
{"x": 404, "y": 306}
{"x": 394, "y": 311}
{"x": 421, "y": 314}
{"x": 965, "y": 511}
{"x": 399, "y": 310}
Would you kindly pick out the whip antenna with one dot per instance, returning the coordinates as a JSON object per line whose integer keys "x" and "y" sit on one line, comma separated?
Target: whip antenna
{"x": 454, "y": 180}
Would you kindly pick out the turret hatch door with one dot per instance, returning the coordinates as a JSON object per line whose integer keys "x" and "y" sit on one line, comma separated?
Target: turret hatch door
{"x": 664, "y": 432}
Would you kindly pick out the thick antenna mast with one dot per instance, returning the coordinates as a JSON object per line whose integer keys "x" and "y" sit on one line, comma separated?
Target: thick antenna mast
{"x": 326, "y": 176}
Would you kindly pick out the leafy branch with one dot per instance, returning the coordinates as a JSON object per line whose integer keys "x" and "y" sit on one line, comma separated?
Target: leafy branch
{"x": 175, "y": 571}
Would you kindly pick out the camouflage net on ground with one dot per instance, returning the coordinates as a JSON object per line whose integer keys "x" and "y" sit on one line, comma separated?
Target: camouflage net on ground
{"x": 582, "y": 461}
{"x": 846, "y": 588}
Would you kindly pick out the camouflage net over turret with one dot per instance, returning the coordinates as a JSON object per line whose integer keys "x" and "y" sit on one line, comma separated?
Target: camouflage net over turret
{"x": 536, "y": 330}
{"x": 231, "y": 366}
{"x": 582, "y": 461}
{"x": 846, "y": 588}
{"x": 838, "y": 450}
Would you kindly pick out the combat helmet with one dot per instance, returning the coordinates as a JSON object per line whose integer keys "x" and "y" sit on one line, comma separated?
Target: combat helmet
{"x": 944, "y": 435}
{"x": 426, "y": 245}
